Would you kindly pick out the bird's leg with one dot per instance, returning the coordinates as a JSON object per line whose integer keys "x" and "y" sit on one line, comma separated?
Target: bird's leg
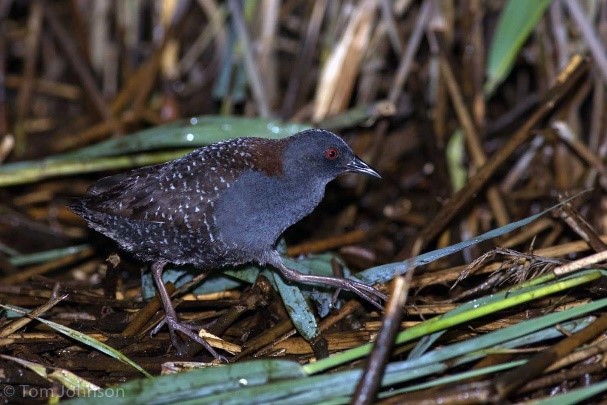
{"x": 171, "y": 316}
{"x": 367, "y": 292}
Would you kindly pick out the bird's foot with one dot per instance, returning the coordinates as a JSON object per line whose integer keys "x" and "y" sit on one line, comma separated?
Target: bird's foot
{"x": 188, "y": 330}
{"x": 366, "y": 292}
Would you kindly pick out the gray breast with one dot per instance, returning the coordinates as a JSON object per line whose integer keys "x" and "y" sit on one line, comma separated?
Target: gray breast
{"x": 252, "y": 214}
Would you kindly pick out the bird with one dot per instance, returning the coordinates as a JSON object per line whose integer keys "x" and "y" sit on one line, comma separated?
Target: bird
{"x": 222, "y": 205}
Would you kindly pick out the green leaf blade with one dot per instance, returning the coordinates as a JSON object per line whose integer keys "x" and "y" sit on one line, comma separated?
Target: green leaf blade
{"x": 516, "y": 22}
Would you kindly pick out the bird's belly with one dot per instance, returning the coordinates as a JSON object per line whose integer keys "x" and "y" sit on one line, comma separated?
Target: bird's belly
{"x": 193, "y": 249}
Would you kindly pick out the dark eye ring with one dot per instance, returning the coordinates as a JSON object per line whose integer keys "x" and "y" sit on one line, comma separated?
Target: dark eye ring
{"x": 331, "y": 153}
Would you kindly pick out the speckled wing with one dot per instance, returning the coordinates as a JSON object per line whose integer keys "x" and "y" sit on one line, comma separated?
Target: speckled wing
{"x": 181, "y": 192}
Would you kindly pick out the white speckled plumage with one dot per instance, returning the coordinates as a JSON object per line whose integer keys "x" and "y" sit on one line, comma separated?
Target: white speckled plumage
{"x": 153, "y": 202}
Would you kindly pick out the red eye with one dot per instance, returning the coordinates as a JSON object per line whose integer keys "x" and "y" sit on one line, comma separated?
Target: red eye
{"x": 331, "y": 153}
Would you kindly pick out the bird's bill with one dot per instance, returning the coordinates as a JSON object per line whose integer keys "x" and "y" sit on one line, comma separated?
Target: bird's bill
{"x": 358, "y": 166}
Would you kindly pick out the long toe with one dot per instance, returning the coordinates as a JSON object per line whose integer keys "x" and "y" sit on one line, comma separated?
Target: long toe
{"x": 364, "y": 291}
{"x": 372, "y": 290}
{"x": 368, "y": 293}
{"x": 157, "y": 328}
{"x": 178, "y": 344}
{"x": 186, "y": 330}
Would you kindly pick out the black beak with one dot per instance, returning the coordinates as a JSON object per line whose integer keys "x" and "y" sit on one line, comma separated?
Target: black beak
{"x": 358, "y": 166}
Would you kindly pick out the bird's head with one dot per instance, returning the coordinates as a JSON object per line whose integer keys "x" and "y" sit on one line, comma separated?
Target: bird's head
{"x": 322, "y": 154}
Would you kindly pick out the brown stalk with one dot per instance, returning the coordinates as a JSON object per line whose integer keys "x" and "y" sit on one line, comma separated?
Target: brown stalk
{"x": 253, "y": 74}
{"x": 336, "y": 81}
{"x": 472, "y": 135}
{"x": 565, "y": 81}
{"x": 47, "y": 267}
{"x": 329, "y": 243}
{"x": 299, "y": 80}
{"x": 32, "y": 46}
{"x": 508, "y": 383}
{"x": 83, "y": 73}
{"x": 21, "y": 322}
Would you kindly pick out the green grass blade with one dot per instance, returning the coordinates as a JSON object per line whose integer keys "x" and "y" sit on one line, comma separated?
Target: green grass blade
{"x": 335, "y": 387}
{"x": 175, "y": 388}
{"x": 191, "y": 133}
{"x": 47, "y": 255}
{"x": 577, "y": 396}
{"x": 69, "y": 380}
{"x": 271, "y": 381}
{"x": 516, "y": 22}
{"x": 296, "y": 305}
{"x": 113, "y": 154}
{"x": 523, "y": 333}
{"x": 501, "y": 301}
{"x": 386, "y": 272}
{"x": 31, "y": 171}
{"x": 458, "y": 377}
{"x": 338, "y": 386}
{"x": 83, "y": 338}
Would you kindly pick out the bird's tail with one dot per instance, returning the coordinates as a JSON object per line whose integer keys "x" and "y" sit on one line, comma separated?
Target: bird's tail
{"x": 147, "y": 240}
{"x": 77, "y": 205}
{"x": 100, "y": 221}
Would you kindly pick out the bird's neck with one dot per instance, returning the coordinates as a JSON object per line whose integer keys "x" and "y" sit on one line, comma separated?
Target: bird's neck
{"x": 303, "y": 192}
